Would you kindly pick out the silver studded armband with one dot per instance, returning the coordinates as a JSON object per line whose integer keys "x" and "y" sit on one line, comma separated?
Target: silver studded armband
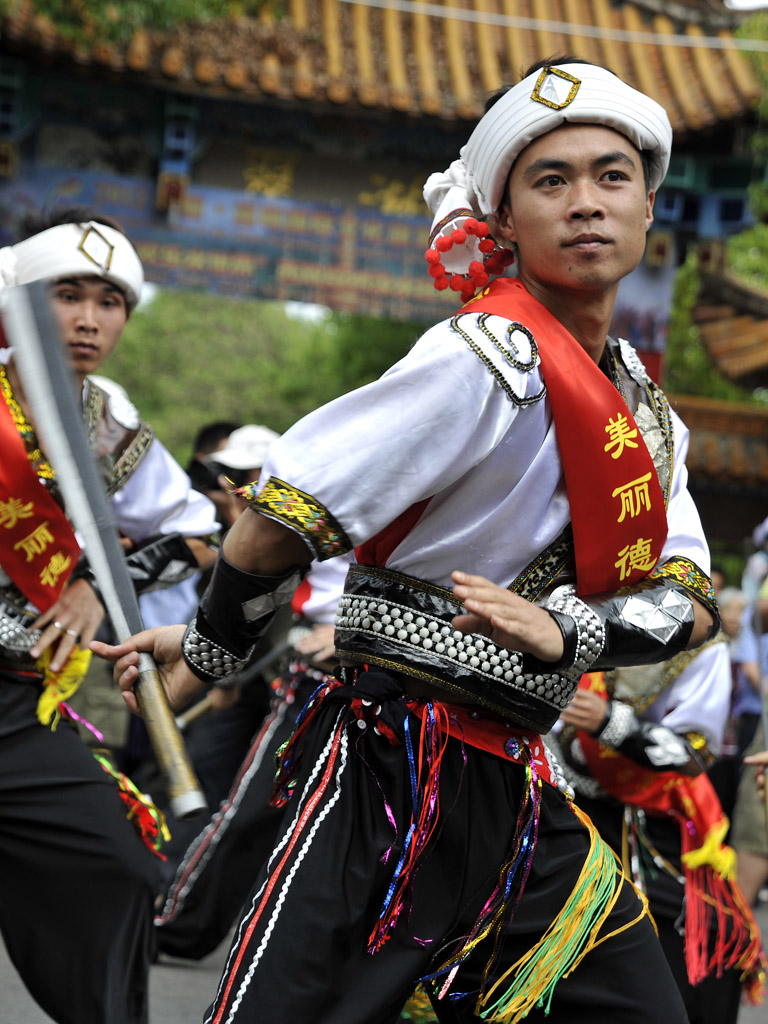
{"x": 235, "y": 612}
{"x": 649, "y": 744}
{"x": 641, "y": 626}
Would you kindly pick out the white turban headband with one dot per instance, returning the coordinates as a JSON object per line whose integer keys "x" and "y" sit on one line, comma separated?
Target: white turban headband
{"x": 473, "y": 186}
{"x": 75, "y": 250}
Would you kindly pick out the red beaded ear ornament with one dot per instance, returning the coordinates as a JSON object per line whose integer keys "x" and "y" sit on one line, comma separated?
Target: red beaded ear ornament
{"x": 495, "y": 260}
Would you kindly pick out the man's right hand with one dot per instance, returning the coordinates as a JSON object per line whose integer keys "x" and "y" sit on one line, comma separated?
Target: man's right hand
{"x": 164, "y": 644}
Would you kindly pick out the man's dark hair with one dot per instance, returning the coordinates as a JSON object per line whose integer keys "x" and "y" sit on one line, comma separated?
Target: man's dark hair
{"x": 35, "y": 221}
{"x": 554, "y": 62}
{"x": 209, "y": 437}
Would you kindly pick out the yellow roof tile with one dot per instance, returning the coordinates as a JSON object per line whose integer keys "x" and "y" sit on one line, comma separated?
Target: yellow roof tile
{"x": 440, "y": 59}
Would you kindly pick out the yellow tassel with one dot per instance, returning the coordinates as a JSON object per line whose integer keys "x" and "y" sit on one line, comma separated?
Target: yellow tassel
{"x": 59, "y": 686}
{"x": 419, "y": 1009}
{"x": 570, "y": 937}
{"x": 713, "y": 853}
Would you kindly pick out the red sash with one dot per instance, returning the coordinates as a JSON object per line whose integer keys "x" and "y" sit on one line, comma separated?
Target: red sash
{"x": 617, "y": 507}
{"x": 38, "y": 549}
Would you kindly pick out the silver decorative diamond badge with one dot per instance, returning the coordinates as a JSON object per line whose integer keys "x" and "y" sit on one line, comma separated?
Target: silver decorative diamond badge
{"x": 97, "y": 248}
{"x": 662, "y": 620}
{"x": 555, "y": 88}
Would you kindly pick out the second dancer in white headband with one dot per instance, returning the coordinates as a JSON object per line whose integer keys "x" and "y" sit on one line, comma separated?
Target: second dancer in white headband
{"x": 427, "y": 835}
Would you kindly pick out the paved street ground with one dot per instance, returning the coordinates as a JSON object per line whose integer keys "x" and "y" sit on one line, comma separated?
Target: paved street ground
{"x": 181, "y": 990}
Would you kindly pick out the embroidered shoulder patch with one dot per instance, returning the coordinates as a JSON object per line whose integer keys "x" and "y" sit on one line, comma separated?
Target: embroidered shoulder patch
{"x": 301, "y": 512}
{"x": 518, "y": 350}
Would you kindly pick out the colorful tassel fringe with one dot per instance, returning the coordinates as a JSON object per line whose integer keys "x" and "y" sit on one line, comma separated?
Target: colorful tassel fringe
{"x": 424, "y": 769}
{"x": 148, "y": 819}
{"x": 570, "y": 937}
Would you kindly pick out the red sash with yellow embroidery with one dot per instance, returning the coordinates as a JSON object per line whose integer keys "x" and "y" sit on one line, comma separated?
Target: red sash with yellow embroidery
{"x": 38, "y": 549}
{"x": 713, "y": 900}
{"x": 617, "y": 508}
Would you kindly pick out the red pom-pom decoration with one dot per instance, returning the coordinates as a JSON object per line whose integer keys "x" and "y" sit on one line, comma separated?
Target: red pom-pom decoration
{"x": 494, "y": 260}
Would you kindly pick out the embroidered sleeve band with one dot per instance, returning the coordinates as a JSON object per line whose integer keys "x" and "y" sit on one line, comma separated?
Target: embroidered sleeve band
{"x": 236, "y": 609}
{"x": 302, "y": 513}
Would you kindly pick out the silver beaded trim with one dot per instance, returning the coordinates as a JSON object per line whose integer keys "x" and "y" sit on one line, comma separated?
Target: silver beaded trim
{"x": 589, "y": 627}
{"x": 207, "y": 659}
{"x": 620, "y": 725}
{"x": 15, "y": 638}
{"x": 414, "y": 632}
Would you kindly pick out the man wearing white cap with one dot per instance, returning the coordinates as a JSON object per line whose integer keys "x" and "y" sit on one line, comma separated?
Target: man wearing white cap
{"x": 77, "y": 882}
{"x": 242, "y": 458}
{"x": 429, "y": 837}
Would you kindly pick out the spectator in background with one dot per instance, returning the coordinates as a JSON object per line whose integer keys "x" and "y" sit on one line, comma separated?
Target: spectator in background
{"x": 240, "y": 461}
{"x": 756, "y": 568}
{"x": 203, "y": 471}
{"x": 717, "y": 575}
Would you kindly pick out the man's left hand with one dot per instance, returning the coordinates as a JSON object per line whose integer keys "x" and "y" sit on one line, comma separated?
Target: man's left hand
{"x": 508, "y": 619}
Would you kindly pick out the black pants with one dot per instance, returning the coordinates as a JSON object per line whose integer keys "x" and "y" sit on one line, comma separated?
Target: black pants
{"x": 217, "y": 870}
{"x": 76, "y": 881}
{"x": 299, "y": 953}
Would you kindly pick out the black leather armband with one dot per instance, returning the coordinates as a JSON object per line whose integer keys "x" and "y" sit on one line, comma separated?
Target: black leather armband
{"x": 155, "y": 563}
{"x": 642, "y": 626}
{"x": 647, "y": 743}
{"x": 235, "y": 611}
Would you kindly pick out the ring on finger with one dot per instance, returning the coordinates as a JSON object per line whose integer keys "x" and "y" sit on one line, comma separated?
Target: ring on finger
{"x": 60, "y": 626}
{"x": 74, "y": 633}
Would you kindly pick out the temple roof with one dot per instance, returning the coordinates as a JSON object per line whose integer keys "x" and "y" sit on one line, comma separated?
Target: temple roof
{"x": 424, "y": 59}
{"x": 728, "y": 442}
{"x": 732, "y": 319}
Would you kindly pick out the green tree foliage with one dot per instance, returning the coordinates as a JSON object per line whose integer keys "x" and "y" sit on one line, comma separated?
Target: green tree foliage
{"x": 188, "y": 358}
{"x": 115, "y": 21}
{"x": 756, "y": 27}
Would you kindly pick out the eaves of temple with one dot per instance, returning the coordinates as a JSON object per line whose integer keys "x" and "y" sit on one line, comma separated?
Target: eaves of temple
{"x": 433, "y": 59}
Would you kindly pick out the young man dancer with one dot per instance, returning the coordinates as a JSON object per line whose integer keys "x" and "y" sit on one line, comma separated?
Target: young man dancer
{"x": 76, "y": 881}
{"x": 428, "y": 836}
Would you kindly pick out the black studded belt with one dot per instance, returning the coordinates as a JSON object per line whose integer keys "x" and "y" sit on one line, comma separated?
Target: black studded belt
{"x": 404, "y": 624}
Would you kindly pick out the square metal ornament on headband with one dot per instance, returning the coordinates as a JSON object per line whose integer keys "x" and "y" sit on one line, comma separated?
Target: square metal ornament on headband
{"x": 97, "y": 248}
{"x": 555, "y": 88}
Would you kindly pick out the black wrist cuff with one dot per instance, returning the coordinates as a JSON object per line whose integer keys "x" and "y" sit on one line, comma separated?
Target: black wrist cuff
{"x": 236, "y": 609}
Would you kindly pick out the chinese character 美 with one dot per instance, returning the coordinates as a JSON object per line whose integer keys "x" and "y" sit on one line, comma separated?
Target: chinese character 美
{"x": 620, "y": 435}
{"x": 634, "y": 497}
{"x": 36, "y": 542}
{"x": 13, "y": 510}
{"x": 635, "y": 556}
{"x": 58, "y": 564}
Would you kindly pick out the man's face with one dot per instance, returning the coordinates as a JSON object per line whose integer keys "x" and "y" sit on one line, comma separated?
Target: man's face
{"x": 578, "y": 209}
{"x": 91, "y": 314}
